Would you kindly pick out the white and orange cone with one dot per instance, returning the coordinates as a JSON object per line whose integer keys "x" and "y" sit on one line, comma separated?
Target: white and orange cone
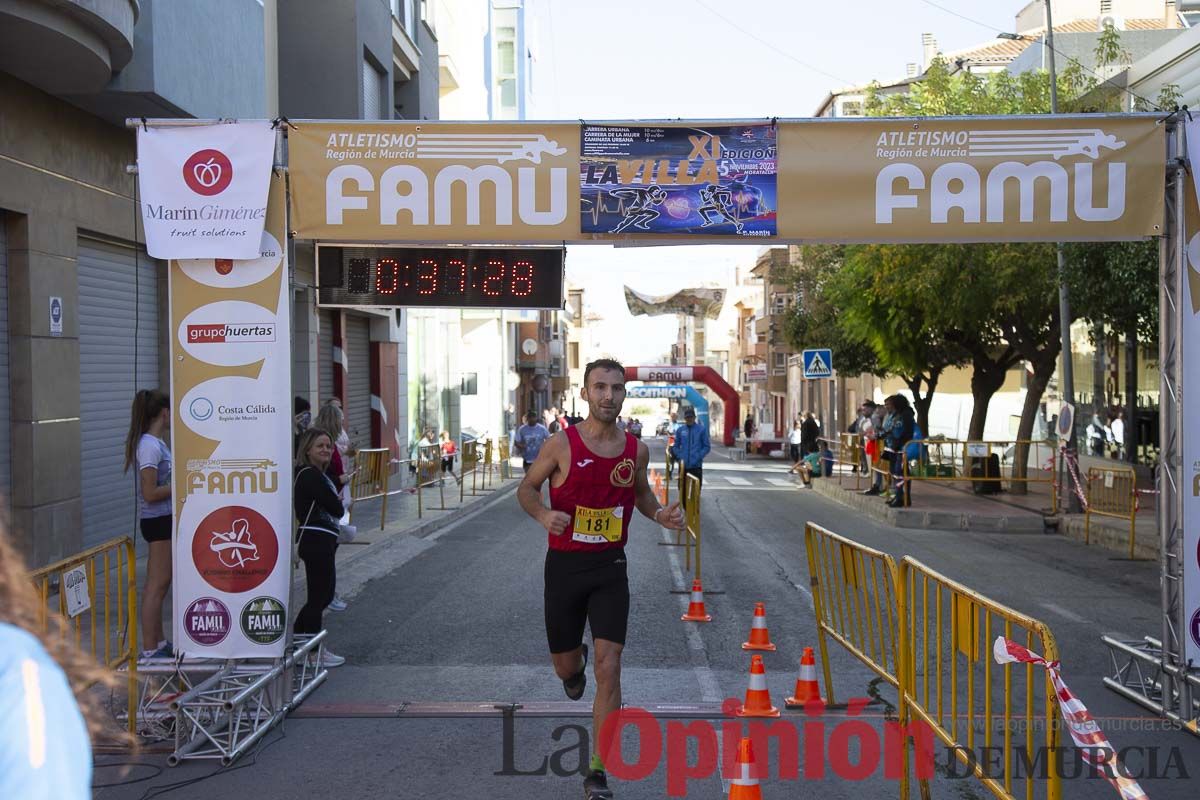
{"x": 758, "y": 698}
{"x": 807, "y": 688}
{"x": 696, "y": 612}
{"x": 760, "y": 638}
{"x": 744, "y": 786}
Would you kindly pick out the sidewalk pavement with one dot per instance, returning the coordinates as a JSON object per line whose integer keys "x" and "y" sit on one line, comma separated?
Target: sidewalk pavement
{"x": 948, "y": 505}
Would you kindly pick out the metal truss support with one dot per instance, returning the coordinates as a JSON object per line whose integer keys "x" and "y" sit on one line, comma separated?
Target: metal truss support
{"x": 1153, "y": 672}
{"x": 224, "y": 715}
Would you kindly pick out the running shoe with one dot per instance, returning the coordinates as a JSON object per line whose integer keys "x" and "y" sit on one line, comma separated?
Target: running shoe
{"x": 595, "y": 786}
{"x": 574, "y": 686}
{"x": 331, "y": 659}
{"x": 337, "y": 604}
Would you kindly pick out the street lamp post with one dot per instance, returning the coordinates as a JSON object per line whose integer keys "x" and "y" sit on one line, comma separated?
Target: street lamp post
{"x": 1064, "y": 300}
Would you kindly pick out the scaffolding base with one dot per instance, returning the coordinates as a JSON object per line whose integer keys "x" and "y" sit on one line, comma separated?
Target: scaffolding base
{"x": 1137, "y": 675}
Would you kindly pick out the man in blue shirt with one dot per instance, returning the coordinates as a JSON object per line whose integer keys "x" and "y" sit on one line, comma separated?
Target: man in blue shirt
{"x": 691, "y": 445}
{"x": 530, "y": 438}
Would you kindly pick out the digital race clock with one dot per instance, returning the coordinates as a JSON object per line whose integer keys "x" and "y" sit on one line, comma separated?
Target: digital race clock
{"x": 448, "y": 277}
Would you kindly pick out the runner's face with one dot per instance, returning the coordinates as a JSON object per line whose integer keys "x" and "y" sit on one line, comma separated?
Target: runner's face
{"x": 605, "y": 394}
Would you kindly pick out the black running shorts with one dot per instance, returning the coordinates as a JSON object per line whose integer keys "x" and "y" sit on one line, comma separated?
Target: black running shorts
{"x": 582, "y": 588}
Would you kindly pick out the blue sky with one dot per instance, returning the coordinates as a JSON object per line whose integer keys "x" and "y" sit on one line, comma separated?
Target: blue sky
{"x": 660, "y": 59}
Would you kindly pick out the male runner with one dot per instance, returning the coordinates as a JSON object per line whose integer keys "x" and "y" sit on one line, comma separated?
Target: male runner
{"x": 597, "y": 476}
{"x": 716, "y": 198}
{"x": 640, "y": 205}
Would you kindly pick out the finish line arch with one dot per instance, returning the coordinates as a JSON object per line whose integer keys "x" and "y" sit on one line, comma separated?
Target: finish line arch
{"x": 706, "y": 375}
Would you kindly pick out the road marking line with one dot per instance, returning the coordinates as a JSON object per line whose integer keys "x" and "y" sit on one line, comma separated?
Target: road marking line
{"x": 1064, "y": 613}
{"x": 736, "y": 481}
{"x": 781, "y": 482}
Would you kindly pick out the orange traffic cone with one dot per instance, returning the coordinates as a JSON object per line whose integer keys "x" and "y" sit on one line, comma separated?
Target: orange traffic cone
{"x": 744, "y": 786}
{"x": 807, "y": 689}
{"x": 696, "y": 612}
{"x": 758, "y": 698}
{"x": 760, "y": 639}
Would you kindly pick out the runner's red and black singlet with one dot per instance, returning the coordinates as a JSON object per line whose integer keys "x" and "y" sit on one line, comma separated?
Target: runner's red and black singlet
{"x": 598, "y": 495}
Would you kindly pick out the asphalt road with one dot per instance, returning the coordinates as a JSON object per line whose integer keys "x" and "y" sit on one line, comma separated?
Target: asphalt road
{"x": 457, "y": 618}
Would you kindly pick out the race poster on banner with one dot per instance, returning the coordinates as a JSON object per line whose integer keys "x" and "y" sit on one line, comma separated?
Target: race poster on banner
{"x": 714, "y": 181}
{"x": 204, "y": 188}
{"x": 232, "y": 447}
{"x": 1190, "y": 342}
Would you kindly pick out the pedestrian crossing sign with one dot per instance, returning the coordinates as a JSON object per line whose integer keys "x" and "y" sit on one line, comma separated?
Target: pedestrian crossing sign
{"x": 818, "y": 363}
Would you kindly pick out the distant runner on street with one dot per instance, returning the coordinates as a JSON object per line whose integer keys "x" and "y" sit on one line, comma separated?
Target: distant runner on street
{"x": 597, "y": 476}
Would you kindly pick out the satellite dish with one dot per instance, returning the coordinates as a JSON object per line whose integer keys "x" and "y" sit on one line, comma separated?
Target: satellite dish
{"x": 529, "y": 347}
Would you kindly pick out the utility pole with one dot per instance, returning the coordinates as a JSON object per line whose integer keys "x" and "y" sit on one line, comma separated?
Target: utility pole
{"x": 1064, "y": 300}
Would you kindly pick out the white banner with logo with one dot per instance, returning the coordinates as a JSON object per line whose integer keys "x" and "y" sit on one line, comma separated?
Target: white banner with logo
{"x": 1190, "y": 442}
{"x": 232, "y": 447}
{"x": 204, "y": 188}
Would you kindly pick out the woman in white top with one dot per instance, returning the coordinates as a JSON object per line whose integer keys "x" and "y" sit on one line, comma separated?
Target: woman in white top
{"x": 146, "y": 446}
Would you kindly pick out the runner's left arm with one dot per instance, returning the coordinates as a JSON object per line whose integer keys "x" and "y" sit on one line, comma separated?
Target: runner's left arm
{"x": 667, "y": 516}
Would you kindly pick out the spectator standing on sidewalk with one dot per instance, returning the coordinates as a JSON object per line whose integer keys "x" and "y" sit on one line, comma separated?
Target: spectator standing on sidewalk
{"x": 331, "y": 420}
{"x": 810, "y": 432}
{"x": 691, "y": 445}
{"x": 748, "y": 426}
{"x": 899, "y": 434}
{"x": 884, "y": 413}
{"x": 795, "y": 438}
{"x": 319, "y": 509}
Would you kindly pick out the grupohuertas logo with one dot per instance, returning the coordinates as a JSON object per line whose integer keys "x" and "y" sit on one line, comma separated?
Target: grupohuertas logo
{"x": 263, "y": 620}
{"x": 208, "y": 172}
{"x": 411, "y": 189}
{"x": 982, "y": 190}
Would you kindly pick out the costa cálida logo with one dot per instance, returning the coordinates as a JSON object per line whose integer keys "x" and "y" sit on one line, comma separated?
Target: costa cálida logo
{"x": 235, "y": 549}
{"x": 208, "y": 172}
{"x": 622, "y": 474}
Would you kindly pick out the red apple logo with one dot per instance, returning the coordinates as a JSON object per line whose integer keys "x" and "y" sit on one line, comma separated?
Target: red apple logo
{"x": 208, "y": 172}
{"x": 224, "y": 266}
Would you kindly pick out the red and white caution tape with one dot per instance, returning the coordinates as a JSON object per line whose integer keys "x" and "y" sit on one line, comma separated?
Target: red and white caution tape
{"x": 1076, "y": 480}
{"x": 1091, "y": 741}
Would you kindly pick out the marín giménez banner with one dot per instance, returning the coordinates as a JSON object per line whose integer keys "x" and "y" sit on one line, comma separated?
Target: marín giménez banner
{"x": 204, "y": 188}
{"x": 717, "y": 180}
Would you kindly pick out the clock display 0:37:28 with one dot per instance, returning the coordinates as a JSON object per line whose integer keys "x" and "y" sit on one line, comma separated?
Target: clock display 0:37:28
{"x": 441, "y": 277}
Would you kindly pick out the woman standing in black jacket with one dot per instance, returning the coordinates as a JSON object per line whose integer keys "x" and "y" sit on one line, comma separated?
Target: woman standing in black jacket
{"x": 318, "y": 508}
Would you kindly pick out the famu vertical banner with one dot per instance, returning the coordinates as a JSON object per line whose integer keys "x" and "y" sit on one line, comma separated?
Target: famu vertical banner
{"x": 1190, "y": 362}
{"x": 232, "y": 446}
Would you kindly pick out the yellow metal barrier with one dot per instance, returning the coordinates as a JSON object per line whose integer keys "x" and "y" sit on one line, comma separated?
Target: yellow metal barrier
{"x": 487, "y": 464}
{"x": 372, "y": 469}
{"x": 505, "y": 458}
{"x": 691, "y": 516}
{"x": 958, "y": 460}
{"x": 946, "y": 638}
{"x": 110, "y": 573}
{"x": 857, "y": 603}
{"x": 429, "y": 471}
{"x": 855, "y": 599}
{"x": 469, "y": 462}
{"x": 1111, "y": 492}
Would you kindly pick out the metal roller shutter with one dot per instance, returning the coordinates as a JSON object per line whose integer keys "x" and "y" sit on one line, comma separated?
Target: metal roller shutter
{"x": 5, "y": 404}
{"x": 358, "y": 385}
{"x": 118, "y": 309}
{"x": 325, "y": 357}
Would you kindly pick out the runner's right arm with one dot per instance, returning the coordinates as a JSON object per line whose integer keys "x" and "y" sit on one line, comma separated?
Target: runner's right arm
{"x": 529, "y": 493}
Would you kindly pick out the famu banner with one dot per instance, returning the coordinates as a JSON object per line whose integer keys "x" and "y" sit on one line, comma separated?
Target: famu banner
{"x": 435, "y": 182}
{"x": 967, "y": 179}
{"x": 204, "y": 188}
{"x": 232, "y": 447}
{"x": 961, "y": 179}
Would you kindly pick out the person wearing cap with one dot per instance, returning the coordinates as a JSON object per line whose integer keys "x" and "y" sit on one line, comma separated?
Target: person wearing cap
{"x": 691, "y": 445}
